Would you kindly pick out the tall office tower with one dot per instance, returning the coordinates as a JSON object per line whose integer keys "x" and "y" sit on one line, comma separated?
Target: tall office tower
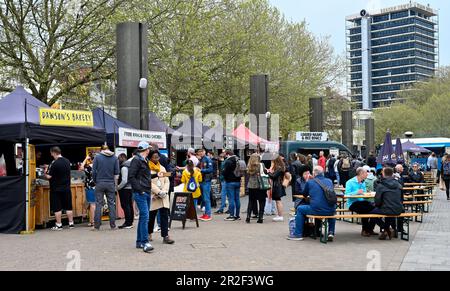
{"x": 388, "y": 51}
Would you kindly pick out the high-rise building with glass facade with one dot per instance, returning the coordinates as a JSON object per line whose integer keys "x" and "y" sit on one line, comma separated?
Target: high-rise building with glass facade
{"x": 388, "y": 51}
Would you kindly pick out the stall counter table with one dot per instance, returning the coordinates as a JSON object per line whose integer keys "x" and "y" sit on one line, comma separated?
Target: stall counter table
{"x": 43, "y": 213}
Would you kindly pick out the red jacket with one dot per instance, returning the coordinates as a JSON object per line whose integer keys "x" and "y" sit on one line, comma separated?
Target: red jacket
{"x": 322, "y": 162}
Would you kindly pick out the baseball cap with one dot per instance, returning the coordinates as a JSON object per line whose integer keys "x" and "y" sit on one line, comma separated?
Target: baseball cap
{"x": 191, "y": 151}
{"x": 367, "y": 168}
{"x": 142, "y": 146}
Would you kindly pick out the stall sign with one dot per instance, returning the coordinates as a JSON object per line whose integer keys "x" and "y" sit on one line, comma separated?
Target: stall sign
{"x": 56, "y": 117}
{"x": 183, "y": 208}
{"x": 132, "y": 137}
{"x": 118, "y": 151}
{"x": 334, "y": 152}
{"x": 311, "y": 136}
{"x": 271, "y": 147}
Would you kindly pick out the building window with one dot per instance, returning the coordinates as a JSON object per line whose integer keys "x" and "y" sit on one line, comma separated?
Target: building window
{"x": 380, "y": 18}
{"x": 400, "y": 14}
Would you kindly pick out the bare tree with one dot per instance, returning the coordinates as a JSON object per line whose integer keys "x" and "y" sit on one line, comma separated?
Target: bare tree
{"x": 55, "y": 46}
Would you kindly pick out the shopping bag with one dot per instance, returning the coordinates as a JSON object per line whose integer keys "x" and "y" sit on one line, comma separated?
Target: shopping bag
{"x": 2, "y": 166}
{"x": 442, "y": 184}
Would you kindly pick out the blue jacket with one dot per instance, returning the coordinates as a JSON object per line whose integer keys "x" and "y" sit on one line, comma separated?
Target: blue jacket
{"x": 316, "y": 195}
{"x": 106, "y": 166}
{"x": 207, "y": 168}
{"x": 352, "y": 187}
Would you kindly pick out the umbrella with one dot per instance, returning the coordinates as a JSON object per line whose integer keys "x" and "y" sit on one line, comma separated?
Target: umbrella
{"x": 399, "y": 151}
{"x": 413, "y": 148}
{"x": 387, "y": 151}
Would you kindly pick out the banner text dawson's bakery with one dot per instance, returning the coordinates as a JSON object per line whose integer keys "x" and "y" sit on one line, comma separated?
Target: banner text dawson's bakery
{"x": 57, "y": 117}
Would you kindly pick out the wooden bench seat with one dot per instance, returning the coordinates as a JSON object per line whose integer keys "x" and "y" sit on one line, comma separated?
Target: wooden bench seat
{"x": 324, "y": 227}
{"x": 416, "y": 202}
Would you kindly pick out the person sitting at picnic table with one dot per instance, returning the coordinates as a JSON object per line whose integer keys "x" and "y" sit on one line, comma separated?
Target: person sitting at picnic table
{"x": 356, "y": 186}
{"x": 416, "y": 176}
{"x": 301, "y": 184}
{"x": 399, "y": 174}
{"x": 370, "y": 180}
{"x": 388, "y": 201}
{"x": 318, "y": 205}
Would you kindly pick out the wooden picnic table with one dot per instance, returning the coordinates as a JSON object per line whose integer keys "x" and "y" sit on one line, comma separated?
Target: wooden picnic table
{"x": 420, "y": 184}
{"x": 368, "y": 195}
{"x": 413, "y": 188}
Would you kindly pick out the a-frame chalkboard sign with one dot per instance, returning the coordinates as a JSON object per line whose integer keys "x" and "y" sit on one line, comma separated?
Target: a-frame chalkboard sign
{"x": 183, "y": 208}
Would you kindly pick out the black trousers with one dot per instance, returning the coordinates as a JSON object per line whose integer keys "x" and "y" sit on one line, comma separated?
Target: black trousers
{"x": 255, "y": 197}
{"x": 126, "y": 201}
{"x": 164, "y": 213}
{"x": 344, "y": 177}
{"x": 363, "y": 207}
{"x": 447, "y": 186}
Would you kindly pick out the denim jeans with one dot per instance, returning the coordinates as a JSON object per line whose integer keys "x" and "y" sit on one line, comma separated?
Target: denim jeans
{"x": 223, "y": 196}
{"x": 234, "y": 189}
{"x": 143, "y": 203}
{"x": 206, "y": 194}
{"x": 300, "y": 217}
{"x": 158, "y": 219}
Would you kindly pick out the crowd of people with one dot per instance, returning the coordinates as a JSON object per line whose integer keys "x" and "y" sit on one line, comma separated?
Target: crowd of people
{"x": 145, "y": 181}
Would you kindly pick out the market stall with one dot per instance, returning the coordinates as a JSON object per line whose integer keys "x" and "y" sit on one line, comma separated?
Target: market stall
{"x": 27, "y": 122}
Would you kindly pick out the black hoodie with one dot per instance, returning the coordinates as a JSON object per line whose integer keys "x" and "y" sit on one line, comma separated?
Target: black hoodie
{"x": 388, "y": 196}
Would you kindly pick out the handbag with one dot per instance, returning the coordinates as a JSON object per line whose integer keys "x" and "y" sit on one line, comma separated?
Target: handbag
{"x": 442, "y": 184}
{"x": 329, "y": 193}
{"x": 286, "y": 179}
{"x": 263, "y": 179}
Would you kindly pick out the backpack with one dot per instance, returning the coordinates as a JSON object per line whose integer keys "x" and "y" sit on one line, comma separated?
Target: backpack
{"x": 192, "y": 185}
{"x": 346, "y": 164}
{"x": 241, "y": 168}
{"x": 446, "y": 169}
{"x": 329, "y": 193}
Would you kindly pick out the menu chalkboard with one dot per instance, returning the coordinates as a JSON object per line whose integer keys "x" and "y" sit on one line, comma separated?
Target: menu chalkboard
{"x": 183, "y": 208}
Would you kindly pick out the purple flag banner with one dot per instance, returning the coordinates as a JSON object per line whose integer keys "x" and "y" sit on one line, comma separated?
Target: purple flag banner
{"x": 399, "y": 151}
{"x": 387, "y": 151}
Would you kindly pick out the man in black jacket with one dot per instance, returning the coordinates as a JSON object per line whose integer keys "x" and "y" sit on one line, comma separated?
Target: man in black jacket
{"x": 140, "y": 177}
{"x": 388, "y": 201}
{"x": 233, "y": 185}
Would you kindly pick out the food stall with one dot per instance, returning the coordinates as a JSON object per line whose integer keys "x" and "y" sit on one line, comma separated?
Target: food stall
{"x": 27, "y": 121}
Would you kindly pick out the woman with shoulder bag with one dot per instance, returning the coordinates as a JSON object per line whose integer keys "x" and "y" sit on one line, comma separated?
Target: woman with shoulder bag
{"x": 276, "y": 173}
{"x": 258, "y": 185}
{"x": 160, "y": 198}
{"x": 445, "y": 174}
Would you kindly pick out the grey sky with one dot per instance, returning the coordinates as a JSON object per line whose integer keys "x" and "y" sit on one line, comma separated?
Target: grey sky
{"x": 327, "y": 18}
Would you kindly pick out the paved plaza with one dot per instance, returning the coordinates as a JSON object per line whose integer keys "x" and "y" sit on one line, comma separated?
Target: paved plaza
{"x": 221, "y": 245}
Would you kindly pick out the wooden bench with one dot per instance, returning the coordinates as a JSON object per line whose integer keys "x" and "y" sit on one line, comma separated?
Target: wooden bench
{"x": 323, "y": 229}
{"x": 418, "y": 206}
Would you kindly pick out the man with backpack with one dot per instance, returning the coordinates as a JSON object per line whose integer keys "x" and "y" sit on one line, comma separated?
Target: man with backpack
{"x": 234, "y": 170}
{"x": 344, "y": 168}
{"x": 320, "y": 203}
{"x": 206, "y": 167}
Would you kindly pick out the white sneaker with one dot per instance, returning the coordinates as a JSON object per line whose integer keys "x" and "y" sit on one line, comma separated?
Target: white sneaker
{"x": 278, "y": 219}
